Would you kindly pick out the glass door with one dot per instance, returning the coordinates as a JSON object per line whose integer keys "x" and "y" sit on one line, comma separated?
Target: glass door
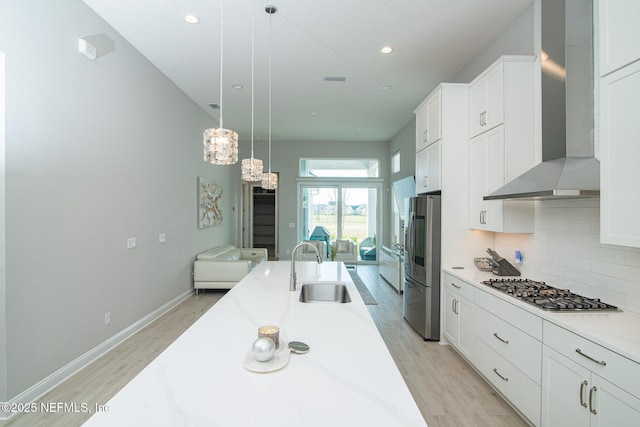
{"x": 341, "y": 212}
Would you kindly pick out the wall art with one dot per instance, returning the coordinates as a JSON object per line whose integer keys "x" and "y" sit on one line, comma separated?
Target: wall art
{"x": 209, "y": 195}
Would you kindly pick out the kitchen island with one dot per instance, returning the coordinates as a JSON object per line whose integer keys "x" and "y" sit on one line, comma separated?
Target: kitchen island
{"x": 347, "y": 378}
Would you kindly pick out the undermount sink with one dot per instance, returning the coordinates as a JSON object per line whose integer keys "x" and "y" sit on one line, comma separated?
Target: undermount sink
{"x": 335, "y": 292}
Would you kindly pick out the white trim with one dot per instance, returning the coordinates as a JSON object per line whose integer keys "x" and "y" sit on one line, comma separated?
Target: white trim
{"x": 3, "y": 252}
{"x": 33, "y": 393}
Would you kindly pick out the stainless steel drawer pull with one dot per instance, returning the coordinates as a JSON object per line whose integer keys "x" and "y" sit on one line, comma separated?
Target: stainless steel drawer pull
{"x": 599, "y": 362}
{"x": 498, "y": 374}
{"x": 592, "y": 391}
{"x": 582, "y": 402}
{"x": 495, "y": 334}
{"x": 456, "y": 286}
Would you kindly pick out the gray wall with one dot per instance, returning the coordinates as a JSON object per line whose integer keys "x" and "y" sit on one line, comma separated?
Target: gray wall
{"x": 405, "y": 142}
{"x": 96, "y": 152}
{"x": 518, "y": 39}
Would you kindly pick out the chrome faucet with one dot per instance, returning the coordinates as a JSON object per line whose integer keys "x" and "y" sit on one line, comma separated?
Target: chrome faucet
{"x": 292, "y": 280}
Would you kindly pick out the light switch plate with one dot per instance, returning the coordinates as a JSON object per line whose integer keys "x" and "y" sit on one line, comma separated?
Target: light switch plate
{"x": 162, "y": 238}
{"x": 131, "y": 243}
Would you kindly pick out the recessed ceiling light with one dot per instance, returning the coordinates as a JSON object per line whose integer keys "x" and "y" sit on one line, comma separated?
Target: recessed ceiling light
{"x": 237, "y": 86}
{"x": 386, "y": 49}
{"x": 385, "y": 87}
{"x": 191, "y": 19}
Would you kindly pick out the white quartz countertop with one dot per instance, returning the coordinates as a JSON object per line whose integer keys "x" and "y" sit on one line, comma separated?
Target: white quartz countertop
{"x": 348, "y": 377}
{"x": 617, "y": 331}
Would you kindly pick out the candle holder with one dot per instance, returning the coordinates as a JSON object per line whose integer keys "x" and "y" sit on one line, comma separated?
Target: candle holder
{"x": 270, "y": 331}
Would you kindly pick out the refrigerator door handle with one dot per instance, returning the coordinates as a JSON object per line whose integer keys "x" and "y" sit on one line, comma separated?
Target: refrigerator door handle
{"x": 409, "y": 241}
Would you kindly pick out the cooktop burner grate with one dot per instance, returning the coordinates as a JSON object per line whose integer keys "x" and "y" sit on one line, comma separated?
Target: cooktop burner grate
{"x": 547, "y": 297}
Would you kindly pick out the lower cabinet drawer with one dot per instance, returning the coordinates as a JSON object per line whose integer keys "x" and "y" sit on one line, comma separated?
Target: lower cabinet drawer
{"x": 522, "y": 350}
{"x": 611, "y": 366}
{"x": 519, "y": 389}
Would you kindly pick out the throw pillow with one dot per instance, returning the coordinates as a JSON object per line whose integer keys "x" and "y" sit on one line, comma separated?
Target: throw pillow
{"x": 343, "y": 246}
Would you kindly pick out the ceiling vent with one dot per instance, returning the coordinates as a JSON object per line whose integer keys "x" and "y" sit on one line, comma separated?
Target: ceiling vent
{"x": 336, "y": 78}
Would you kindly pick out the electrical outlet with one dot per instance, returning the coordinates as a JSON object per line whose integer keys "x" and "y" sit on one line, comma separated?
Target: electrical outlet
{"x": 107, "y": 318}
{"x": 131, "y": 243}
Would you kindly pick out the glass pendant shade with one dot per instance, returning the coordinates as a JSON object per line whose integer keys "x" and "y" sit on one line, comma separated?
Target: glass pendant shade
{"x": 220, "y": 146}
{"x": 270, "y": 181}
{"x": 252, "y": 170}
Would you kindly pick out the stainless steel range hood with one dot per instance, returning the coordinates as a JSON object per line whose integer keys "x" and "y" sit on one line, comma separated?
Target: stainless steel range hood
{"x": 569, "y": 168}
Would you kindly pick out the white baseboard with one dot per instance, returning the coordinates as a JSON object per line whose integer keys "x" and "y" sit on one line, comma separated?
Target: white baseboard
{"x": 39, "y": 389}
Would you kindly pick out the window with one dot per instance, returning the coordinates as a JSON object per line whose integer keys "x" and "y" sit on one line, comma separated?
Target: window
{"x": 339, "y": 168}
{"x": 395, "y": 162}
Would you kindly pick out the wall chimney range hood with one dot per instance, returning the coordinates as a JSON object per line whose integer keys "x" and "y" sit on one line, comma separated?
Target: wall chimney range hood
{"x": 569, "y": 168}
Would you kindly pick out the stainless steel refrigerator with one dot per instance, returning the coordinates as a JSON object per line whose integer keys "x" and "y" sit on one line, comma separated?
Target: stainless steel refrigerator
{"x": 421, "y": 303}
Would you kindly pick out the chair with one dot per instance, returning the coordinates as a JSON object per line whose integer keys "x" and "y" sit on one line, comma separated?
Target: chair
{"x": 368, "y": 250}
{"x": 308, "y": 254}
{"x": 346, "y": 251}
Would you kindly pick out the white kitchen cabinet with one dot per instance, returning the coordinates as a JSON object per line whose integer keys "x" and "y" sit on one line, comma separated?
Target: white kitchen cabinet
{"x": 488, "y": 172}
{"x": 503, "y": 143}
{"x": 585, "y": 384}
{"x": 619, "y": 34}
{"x": 619, "y": 154}
{"x": 508, "y": 345}
{"x": 458, "y": 315}
{"x": 391, "y": 268}
{"x": 428, "y": 120}
{"x": 428, "y": 163}
{"x": 486, "y": 102}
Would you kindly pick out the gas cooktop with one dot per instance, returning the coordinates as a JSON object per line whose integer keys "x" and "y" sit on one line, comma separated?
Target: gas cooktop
{"x": 547, "y": 297}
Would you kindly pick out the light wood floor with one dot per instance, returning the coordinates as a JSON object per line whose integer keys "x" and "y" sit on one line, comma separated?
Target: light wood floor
{"x": 447, "y": 390}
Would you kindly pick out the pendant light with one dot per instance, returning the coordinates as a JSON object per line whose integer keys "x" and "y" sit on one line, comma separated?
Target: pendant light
{"x": 252, "y": 168}
{"x": 220, "y": 144}
{"x": 270, "y": 180}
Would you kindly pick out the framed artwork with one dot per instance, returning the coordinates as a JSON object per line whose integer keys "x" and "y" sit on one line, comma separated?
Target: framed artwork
{"x": 209, "y": 195}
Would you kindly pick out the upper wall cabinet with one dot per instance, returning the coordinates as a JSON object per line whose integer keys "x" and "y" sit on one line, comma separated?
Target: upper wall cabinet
{"x": 428, "y": 123}
{"x": 619, "y": 126}
{"x": 503, "y": 133}
{"x": 438, "y": 125}
{"x": 619, "y": 34}
{"x": 486, "y": 103}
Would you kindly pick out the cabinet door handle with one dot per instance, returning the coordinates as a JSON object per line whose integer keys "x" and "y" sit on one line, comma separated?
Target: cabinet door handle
{"x": 592, "y": 391}
{"x": 480, "y": 119}
{"x": 495, "y": 334}
{"x": 455, "y": 286}
{"x": 453, "y": 305}
{"x": 582, "y": 402}
{"x": 424, "y": 136}
{"x": 498, "y": 374}
{"x": 599, "y": 362}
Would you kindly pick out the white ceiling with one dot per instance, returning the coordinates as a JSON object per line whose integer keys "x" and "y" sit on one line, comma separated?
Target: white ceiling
{"x": 433, "y": 40}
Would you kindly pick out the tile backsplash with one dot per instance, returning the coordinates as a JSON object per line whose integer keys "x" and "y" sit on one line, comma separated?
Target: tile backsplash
{"x": 565, "y": 251}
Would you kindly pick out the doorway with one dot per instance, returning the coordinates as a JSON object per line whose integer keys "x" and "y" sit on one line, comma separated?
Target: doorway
{"x": 346, "y": 211}
{"x": 260, "y": 218}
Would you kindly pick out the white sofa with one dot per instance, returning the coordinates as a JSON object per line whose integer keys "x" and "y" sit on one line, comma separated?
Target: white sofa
{"x": 305, "y": 253}
{"x": 224, "y": 266}
{"x": 346, "y": 251}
